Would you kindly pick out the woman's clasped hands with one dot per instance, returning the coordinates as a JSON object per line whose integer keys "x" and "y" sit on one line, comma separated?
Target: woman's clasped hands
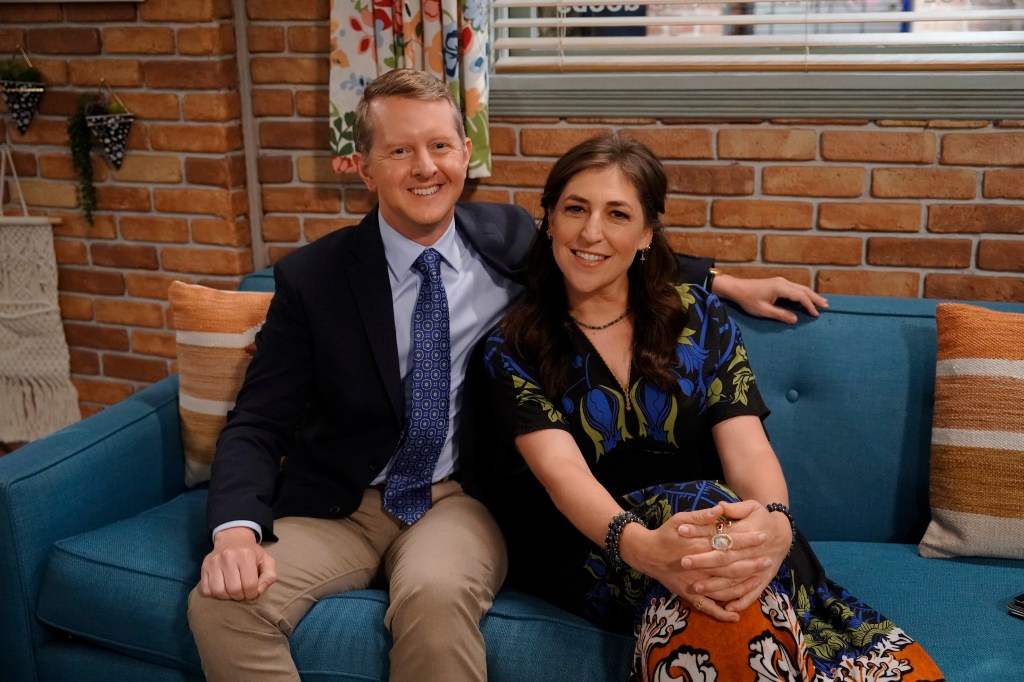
{"x": 719, "y": 582}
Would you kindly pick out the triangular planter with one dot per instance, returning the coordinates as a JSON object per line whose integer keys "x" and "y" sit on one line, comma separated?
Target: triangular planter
{"x": 22, "y": 100}
{"x": 112, "y": 132}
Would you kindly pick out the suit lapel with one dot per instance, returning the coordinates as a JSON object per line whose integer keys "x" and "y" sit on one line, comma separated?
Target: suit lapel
{"x": 368, "y": 278}
{"x": 484, "y": 235}
{"x": 493, "y": 243}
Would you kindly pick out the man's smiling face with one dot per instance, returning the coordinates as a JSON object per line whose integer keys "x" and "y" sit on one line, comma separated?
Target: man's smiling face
{"x": 417, "y": 165}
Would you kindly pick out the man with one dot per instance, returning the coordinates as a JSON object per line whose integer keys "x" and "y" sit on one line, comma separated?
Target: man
{"x": 371, "y": 490}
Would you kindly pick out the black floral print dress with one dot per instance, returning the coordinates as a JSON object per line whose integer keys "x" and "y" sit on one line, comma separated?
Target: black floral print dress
{"x": 655, "y": 454}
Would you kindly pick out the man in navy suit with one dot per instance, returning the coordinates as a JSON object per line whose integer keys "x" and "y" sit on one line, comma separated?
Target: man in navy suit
{"x": 295, "y": 504}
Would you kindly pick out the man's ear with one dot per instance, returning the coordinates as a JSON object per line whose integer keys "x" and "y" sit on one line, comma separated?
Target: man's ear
{"x": 469, "y": 151}
{"x": 364, "y": 170}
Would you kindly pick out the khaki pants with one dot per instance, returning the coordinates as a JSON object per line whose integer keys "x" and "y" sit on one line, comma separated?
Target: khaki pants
{"x": 442, "y": 573}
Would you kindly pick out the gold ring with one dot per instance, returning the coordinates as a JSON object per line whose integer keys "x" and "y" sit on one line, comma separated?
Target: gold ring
{"x": 700, "y": 604}
{"x": 721, "y": 541}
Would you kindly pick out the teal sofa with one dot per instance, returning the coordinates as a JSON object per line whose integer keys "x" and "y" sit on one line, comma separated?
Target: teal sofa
{"x": 100, "y": 542}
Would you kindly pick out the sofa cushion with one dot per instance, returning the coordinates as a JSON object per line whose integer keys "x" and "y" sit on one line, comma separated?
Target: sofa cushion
{"x": 977, "y": 454}
{"x": 215, "y": 334}
{"x": 527, "y": 639}
{"x": 955, "y": 609}
{"x": 125, "y": 586}
{"x": 101, "y": 588}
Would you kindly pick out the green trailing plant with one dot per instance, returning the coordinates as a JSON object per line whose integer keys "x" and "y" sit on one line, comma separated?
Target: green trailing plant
{"x": 18, "y": 71}
{"x": 80, "y": 142}
{"x": 109, "y": 121}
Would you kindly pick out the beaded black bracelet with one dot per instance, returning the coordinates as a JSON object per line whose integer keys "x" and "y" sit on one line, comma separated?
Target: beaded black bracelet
{"x": 611, "y": 541}
{"x": 779, "y": 507}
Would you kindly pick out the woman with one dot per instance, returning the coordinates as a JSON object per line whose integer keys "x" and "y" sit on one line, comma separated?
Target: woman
{"x": 632, "y": 403}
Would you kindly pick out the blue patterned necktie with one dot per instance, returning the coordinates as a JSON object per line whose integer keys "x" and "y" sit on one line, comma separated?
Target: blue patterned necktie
{"x": 407, "y": 490}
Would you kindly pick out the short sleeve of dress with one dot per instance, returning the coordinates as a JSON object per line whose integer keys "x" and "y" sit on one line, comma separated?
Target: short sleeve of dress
{"x": 517, "y": 401}
{"x": 730, "y": 389}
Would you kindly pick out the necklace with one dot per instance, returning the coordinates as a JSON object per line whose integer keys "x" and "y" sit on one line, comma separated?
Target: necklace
{"x": 598, "y": 327}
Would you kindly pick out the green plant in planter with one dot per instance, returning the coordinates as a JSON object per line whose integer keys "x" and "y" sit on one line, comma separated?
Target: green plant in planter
{"x": 17, "y": 71}
{"x": 109, "y": 121}
{"x": 80, "y": 142}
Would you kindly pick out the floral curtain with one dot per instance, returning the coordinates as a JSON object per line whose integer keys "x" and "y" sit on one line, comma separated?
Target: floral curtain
{"x": 449, "y": 38}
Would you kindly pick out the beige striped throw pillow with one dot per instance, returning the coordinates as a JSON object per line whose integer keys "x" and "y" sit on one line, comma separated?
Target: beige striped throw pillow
{"x": 215, "y": 331}
{"x": 977, "y": 465}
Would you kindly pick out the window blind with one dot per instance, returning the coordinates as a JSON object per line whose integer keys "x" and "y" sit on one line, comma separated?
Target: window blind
{"x": 761, "y": 35}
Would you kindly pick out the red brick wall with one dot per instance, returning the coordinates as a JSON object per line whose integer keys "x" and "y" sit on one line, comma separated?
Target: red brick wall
{"x": 891, "y": 208}
{"x": 895, "y": 208}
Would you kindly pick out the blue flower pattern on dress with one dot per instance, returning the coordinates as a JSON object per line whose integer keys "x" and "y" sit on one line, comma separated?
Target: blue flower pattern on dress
{"x": 601, "y": 404}
{"x": 656, "y": 411}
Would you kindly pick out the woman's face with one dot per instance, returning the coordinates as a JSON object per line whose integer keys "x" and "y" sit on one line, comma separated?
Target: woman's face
{"x": 596, "y": 228}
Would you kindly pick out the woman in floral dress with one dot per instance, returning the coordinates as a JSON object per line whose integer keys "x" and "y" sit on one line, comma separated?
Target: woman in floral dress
{"x": 632, "y": 403}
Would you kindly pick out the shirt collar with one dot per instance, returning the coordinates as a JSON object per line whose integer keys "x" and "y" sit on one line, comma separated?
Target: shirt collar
{"x": 401, "y": 251}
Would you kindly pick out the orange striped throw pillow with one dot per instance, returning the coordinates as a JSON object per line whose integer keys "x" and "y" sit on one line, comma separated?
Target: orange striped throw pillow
{"x": 977, "y": 465}
{"x": 215, "y": 331}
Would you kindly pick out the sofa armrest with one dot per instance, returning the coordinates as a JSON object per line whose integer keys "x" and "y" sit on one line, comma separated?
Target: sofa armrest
{"x": 107, "y": 467}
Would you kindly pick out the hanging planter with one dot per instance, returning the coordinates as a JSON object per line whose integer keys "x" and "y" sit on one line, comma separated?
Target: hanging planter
{"x": 111, "y": 127}
{"x": 110, "y": 122}
{"x": 21, "y": 85}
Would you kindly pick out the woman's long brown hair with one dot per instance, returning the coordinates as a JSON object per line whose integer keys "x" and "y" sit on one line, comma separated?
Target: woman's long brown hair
{"x": 535, "y": 328}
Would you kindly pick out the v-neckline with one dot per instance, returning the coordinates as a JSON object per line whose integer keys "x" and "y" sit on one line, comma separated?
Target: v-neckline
{"x": 624, "y": 387}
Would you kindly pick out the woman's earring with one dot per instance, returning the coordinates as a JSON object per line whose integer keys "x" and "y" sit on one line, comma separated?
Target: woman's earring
{"x": 643, "y": 253}
{"x": 550, "y": 238}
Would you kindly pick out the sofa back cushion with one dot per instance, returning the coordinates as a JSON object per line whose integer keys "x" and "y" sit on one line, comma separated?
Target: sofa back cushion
{"x": 851, "y": 395}
{"x": 851, "y": 400}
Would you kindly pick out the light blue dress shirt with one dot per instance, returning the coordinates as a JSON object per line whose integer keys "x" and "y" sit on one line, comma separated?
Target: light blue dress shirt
{"x": 477, "y": 298}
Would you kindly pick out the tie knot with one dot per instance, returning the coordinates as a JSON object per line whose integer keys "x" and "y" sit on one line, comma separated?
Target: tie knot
{"x": 429, "y": 264}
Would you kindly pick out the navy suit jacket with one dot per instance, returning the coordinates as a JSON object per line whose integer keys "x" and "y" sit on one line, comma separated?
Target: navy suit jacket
{"x": 323, "y": 388}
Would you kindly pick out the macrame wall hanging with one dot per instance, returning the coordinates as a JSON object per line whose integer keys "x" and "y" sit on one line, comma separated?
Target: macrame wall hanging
{"x": 36, "y": 393}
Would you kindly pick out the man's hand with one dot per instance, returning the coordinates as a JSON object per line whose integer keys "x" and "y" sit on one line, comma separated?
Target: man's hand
{"x": 758, "y": 296}
{"x": 237, "y": 568}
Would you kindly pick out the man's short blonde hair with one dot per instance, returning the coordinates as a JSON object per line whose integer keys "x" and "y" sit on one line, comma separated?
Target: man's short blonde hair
{"x": 401, "y": 83}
